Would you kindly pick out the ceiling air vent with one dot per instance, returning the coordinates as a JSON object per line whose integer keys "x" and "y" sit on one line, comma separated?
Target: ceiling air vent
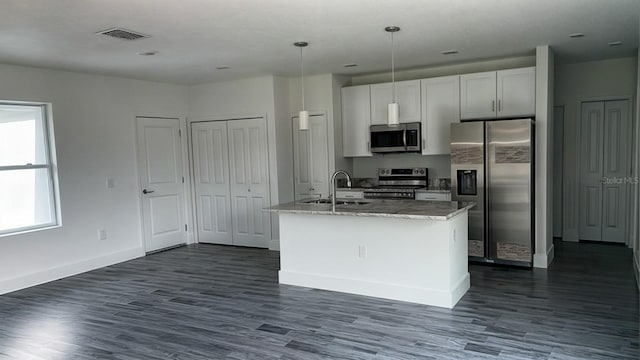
{"x": 124, "y": 34}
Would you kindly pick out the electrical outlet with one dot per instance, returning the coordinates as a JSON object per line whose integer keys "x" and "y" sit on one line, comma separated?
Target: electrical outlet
{"x": 102, "y": 234}
{"x": 362, "y": 251}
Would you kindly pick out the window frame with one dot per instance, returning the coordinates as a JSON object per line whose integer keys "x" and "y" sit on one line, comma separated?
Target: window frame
{"x": 50, "y": 165}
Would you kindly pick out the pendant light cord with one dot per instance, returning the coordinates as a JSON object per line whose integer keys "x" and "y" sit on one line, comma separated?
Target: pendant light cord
{"x": 302, "y": 77}
{"x": 393, "y": 75}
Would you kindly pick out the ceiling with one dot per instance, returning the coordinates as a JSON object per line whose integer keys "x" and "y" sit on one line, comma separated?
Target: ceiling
{"x": 255, "y": 37}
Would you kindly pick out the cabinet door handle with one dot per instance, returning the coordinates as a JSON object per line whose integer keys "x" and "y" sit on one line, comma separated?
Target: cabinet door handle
{"x": 368, "y": 146}
{"x": 424, "y": 143}
{"x": 493, "y": 105}
{"x": 499, "y": 105}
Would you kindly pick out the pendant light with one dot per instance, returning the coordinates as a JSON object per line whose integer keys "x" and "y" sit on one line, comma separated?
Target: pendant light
{"x": 303, "y": 116}
{"x": 393, "y": 110}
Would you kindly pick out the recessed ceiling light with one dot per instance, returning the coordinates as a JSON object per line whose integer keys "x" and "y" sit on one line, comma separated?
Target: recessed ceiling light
{"x": 148, "y": 53}
{"x": 350, "y": 65}
{"x": 615, "y": 43}
{"x": 448, "y": 52}
{"x": 576, "y": 35}
{"x": 222, "y": 68}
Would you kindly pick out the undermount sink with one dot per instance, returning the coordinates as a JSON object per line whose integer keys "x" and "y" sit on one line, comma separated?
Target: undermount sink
{"x": 338, "y": 202}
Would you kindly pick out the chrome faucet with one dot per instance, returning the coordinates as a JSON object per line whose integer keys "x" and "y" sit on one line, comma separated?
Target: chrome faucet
{"x": 333, "y": 186}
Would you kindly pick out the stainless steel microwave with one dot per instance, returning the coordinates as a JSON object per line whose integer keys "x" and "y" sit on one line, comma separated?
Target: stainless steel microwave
{"x": 399, "y": 138}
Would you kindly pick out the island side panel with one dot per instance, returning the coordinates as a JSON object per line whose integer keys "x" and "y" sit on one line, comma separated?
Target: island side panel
{"x": 401, "y": 259}
{"x": 459, "y": 265}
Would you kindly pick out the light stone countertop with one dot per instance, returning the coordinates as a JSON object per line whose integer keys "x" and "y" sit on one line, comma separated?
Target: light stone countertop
{"x": 403, "y": 209}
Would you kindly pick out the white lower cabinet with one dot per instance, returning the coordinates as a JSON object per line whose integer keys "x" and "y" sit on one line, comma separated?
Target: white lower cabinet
{"x": 231, "y": 182}
{"x": 433, "y": 196}
{"x": 311, "y": 158}
{"x": 349, "y": 194}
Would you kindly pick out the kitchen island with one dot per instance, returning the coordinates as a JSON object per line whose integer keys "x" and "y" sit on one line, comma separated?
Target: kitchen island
{"x": 407, "y": 250}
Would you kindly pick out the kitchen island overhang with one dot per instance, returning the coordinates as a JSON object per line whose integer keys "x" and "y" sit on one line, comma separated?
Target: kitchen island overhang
{"x": 404, "y": 250}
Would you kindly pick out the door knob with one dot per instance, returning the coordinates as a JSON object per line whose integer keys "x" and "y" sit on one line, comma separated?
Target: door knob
{"x": 249, "y": 190}
{"x": 145, "y": 191}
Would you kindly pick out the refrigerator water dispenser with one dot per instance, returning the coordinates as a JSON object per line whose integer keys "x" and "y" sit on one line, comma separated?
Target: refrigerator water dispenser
{"x": 467, "y": 182}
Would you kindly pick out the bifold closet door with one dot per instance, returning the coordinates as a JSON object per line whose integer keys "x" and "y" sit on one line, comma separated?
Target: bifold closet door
{"x": 605, "y": 170}
{"x": 211, "y": 172}
{"x": 591, "y": 157}
{"x": 617, "y": 170}
{"x": 249, "y": 179}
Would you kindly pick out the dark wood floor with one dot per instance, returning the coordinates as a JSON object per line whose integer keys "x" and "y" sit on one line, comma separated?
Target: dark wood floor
{"x": 216, "y": 302}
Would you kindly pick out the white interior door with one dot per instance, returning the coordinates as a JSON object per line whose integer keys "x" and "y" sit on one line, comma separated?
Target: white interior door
{"x": 212, "y": 188}
{"x": 161, "y": 180}
{"x": 249, "y": 179}
{"x": 617, "y": 169}
{"x": 591, "y": 156}
{"x": 311, "y": 158}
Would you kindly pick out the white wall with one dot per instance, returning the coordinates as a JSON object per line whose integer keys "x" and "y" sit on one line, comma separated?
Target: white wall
{"x": 574, "y": 83}
{"x": 94, "y": 121}
{"x": 249, "y": 98}
{"x": 544, "y": 251}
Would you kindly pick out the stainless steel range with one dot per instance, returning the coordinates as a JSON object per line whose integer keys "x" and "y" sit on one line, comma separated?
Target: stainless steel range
{"x": 398, "y": 183}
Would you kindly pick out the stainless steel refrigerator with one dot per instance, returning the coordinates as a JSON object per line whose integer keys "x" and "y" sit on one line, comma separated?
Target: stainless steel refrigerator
{"x": 492, "y": 164}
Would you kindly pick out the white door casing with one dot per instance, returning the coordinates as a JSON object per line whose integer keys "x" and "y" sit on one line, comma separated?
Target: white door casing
{"x": 211, "y": 177}
{"x": 161, "y": 179}
{"x": 249, "y": 180}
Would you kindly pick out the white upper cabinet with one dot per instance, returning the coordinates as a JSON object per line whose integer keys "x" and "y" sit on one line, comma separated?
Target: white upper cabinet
{"x": 440, "y": 108}
{"x": 498, "y": 94}
{"x": 516, "y": 92}
{"x": 311, "y": 158}
{"x": 408, "y": 98}
{"x": 356, "y": 119}
{"x": 478, "y": 95}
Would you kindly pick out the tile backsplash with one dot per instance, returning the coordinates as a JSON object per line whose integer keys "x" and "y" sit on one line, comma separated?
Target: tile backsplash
{"x": 367, "y": 167}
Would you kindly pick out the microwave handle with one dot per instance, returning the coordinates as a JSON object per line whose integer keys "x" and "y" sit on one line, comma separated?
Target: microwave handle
{"x": 404, "y": 138}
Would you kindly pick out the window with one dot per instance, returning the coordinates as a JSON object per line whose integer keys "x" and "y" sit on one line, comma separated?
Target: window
{"x": 28, "y": 198}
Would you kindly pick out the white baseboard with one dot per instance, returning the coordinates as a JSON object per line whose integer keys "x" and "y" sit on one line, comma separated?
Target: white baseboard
{"x": 544, "y": 260}
{"x": 45, "y": 276}
{"x": 426, "y": 296}
{"x": 274, "y": 244}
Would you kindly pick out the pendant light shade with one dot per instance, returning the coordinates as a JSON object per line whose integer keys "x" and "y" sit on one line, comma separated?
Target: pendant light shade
{"x": 393, "y": 114}
{"x": 303, "y": 116}
{"x": 393, "y": 110}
